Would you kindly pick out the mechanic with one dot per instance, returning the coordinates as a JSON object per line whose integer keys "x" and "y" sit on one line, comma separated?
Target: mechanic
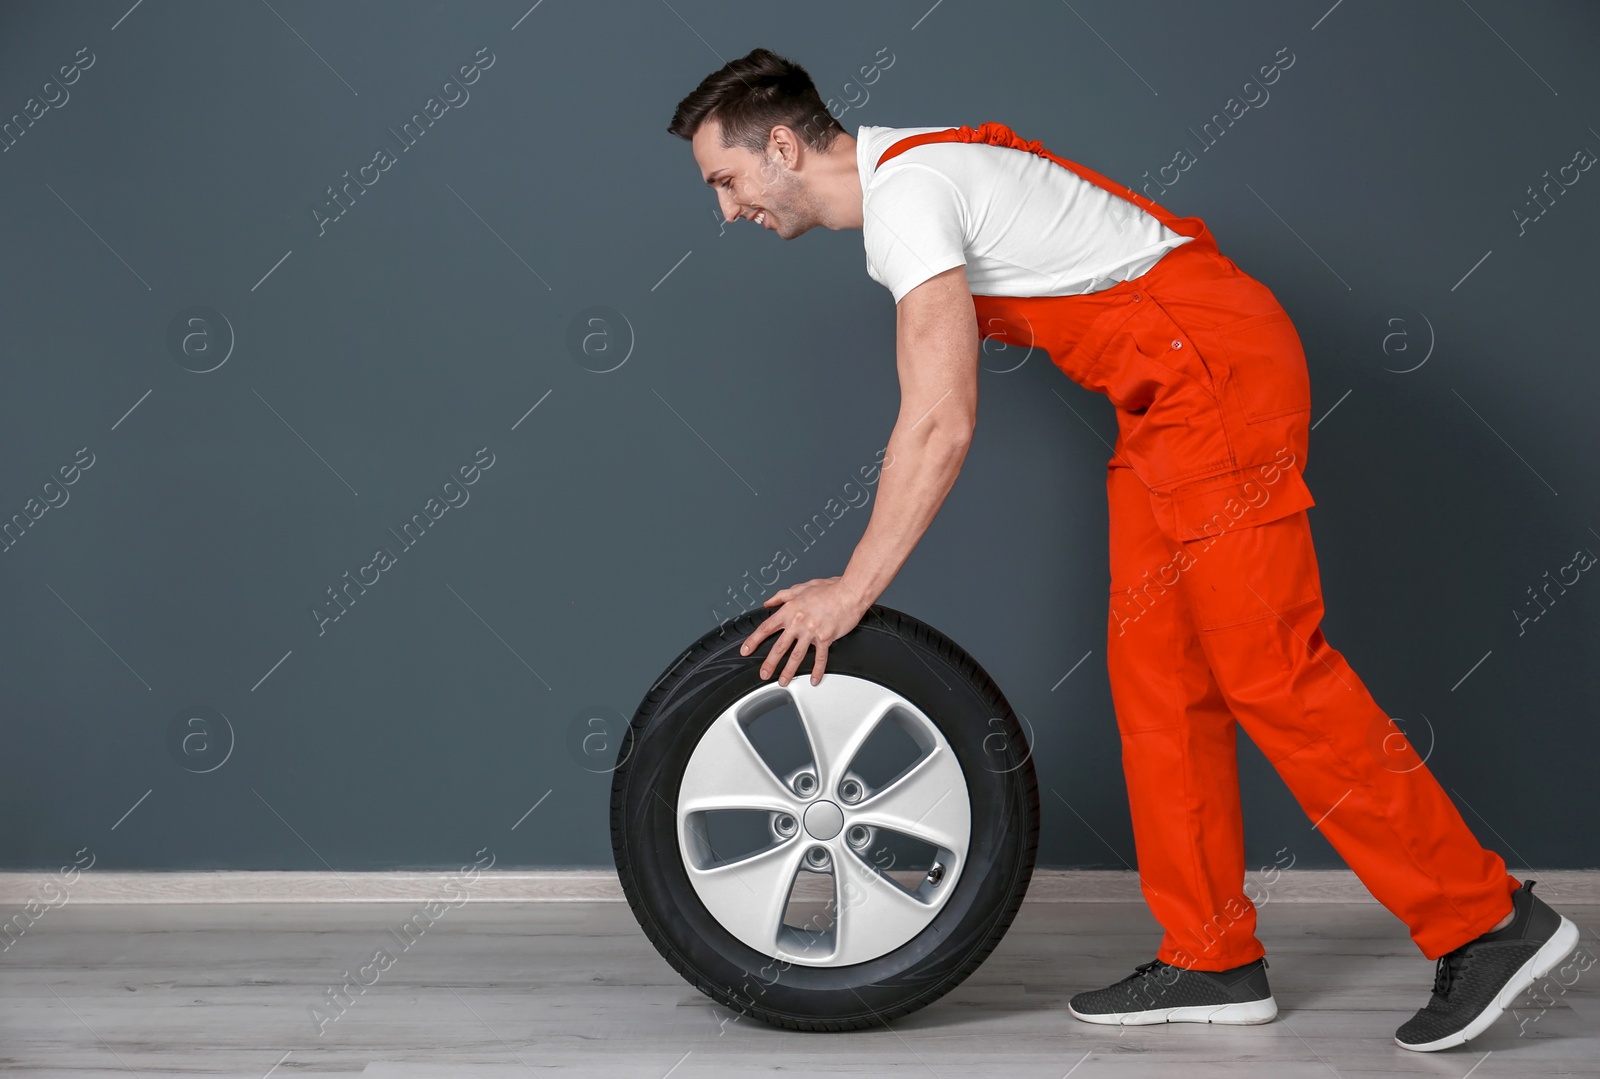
{"x": 977, "y": 234}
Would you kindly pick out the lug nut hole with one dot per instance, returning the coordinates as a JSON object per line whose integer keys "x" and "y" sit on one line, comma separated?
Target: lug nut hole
{"x": 851, "y": 791}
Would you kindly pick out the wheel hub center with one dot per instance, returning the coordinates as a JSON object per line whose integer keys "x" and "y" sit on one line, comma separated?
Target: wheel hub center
{"x": 824, "y": 820}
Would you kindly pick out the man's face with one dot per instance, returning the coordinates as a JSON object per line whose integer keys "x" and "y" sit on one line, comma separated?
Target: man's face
{"x": 767, "y": 189}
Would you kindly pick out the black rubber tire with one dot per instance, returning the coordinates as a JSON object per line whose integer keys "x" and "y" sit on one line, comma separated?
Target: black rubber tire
{"x": 928, "y": 669}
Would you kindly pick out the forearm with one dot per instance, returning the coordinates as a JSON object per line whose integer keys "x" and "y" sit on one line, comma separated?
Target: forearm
{"x": 920, "y": 466}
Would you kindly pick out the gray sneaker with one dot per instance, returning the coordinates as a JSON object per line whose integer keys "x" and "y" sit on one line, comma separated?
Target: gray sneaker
{"x": 1474, "y": 984}
{"x": 1158, "y": 992}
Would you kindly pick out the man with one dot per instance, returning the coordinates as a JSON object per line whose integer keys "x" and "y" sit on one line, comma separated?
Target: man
{"x": 1215, "y": 597}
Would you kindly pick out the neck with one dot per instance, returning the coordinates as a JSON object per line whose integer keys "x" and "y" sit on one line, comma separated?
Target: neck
{"x": 838, "y": 183}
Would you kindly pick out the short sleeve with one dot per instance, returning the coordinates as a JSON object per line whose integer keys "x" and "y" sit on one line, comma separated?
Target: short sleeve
{"x": 914, "y": 225}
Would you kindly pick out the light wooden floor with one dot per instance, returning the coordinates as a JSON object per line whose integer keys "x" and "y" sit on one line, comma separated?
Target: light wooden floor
{"x": 574, "y": 989}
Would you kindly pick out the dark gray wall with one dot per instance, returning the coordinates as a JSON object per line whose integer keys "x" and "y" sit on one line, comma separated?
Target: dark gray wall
{"x": 174, "y": 193}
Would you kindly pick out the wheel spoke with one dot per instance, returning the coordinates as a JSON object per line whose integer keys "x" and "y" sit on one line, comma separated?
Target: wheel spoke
{"x": 726, "y": 772}
{"x": 838, "y": 715}
{"x": 927, "y": 803}
{"x": 874, "y": 915}
{"x": 749, "y": 897}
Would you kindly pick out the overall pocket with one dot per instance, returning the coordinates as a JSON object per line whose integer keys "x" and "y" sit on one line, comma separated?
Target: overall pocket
{"x": 1169, "y": 421}
{"x": 1267, "y": 374}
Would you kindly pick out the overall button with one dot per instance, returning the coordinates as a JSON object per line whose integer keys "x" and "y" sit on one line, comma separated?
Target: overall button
{"x": 1176, "y": 343}
{"x": 1137, "y": 297}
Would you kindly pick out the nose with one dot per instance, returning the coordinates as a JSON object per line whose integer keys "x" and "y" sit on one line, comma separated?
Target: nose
{"x": 729, "y": 208}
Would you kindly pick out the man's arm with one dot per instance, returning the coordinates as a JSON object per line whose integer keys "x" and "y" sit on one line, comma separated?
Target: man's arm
{"x": 936, "y": 342}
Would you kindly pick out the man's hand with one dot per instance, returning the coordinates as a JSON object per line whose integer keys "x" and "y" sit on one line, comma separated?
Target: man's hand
{"x": 812, "y": 613}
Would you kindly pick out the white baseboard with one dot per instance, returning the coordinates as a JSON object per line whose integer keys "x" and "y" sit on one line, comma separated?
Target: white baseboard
{"x": 1571, "y": 886}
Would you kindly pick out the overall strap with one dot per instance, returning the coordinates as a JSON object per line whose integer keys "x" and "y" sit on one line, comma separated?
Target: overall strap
{"x": 996, "y": 134}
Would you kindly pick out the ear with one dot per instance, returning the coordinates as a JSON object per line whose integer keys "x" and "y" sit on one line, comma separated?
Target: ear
{"x": 785, "y": 145}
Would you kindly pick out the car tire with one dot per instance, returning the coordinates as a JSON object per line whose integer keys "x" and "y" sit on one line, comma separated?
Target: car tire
{"x": 881, "y": 943}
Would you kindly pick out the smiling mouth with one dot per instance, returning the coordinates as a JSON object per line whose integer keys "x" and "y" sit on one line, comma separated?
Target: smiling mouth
{"x": 760, "y": 218}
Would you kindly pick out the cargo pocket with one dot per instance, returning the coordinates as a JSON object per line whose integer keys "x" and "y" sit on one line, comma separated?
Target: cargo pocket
{"x": 1242, "y": 499}
{"x": 1267, "y": 374}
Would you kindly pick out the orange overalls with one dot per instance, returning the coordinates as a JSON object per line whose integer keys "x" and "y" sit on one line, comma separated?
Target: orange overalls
{"x": 1216, "y": 603}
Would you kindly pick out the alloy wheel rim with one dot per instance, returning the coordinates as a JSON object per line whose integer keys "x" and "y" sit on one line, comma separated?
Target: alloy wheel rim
{"x": 825, "y": 818}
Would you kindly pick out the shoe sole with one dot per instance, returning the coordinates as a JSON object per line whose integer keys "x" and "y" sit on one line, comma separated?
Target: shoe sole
{"x": 1241, "y": 1014}
{"x": 1561, "y": 944}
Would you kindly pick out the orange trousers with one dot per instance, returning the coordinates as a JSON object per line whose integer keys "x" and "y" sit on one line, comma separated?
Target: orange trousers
{"x": 1216, "y": 603}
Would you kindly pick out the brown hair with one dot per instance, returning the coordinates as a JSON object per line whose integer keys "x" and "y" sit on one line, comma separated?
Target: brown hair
{"x": 750, "y": 96}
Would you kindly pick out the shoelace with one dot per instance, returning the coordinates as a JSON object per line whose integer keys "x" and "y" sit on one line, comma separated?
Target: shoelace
{"x": 1449, "y": 970}
{"x": 1148, "y": 970}
{"x": 1143, "y": 970}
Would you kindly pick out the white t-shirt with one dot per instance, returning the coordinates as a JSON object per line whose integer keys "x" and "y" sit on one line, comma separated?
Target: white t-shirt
{"x": 1022, "y": 225}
